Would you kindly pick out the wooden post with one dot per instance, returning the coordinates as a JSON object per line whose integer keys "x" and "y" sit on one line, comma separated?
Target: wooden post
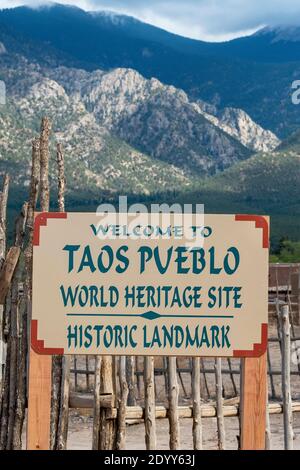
{"x": 150, "y": 424}
{"x": 219, "y": 400}
{"x": 121, "y": 432}
{"x": 3, "y": 205}
{"x": 97, "y": 393}
{"x": 62, "y": 366}
{"x": 62, "y": 432}
{"x": 286, "y": 378}
{"x": 40, "y": 367}
{"x": 253, "y": 403}
{"x": 130, "y": 376}
{"x": 39, "y": 402}
{"x": 196, "y": 395}
{"x": 173, "y": 415}
{"x": 107, "y": 438}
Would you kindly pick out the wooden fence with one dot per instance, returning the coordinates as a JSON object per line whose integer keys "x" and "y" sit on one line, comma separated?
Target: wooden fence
{"x": 123, "y": 390}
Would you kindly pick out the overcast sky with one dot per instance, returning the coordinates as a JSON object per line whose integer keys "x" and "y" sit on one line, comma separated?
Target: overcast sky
{"x": 214, "y": 20}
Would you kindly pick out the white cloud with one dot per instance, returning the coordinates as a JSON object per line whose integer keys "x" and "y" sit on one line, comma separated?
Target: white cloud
{"x": 203, "y": 19}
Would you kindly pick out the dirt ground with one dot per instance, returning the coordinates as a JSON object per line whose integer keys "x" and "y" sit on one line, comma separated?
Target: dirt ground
{"x": 80, "y": 433}
{"x": 81, "y": 427}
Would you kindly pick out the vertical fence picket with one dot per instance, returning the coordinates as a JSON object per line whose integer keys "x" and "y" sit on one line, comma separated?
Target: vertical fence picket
{"x": 286, "y": 378}
{"x": 150, "y": 422}
{"x": 196, "y": 397}
{"x": 97, "y": 392}
{"x": 130, "y": 376}
{"x": 122, "y": 404}
{"x": 219, "y": 400}
{"x": 173, "y": 414}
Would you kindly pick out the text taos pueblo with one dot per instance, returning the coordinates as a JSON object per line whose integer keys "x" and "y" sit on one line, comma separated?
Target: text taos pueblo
{"x": 151, "y": 292}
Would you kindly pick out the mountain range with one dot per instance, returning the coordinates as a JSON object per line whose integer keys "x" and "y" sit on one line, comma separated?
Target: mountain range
{"x": 254, "y": 73}
{"x": 147, "y": 113}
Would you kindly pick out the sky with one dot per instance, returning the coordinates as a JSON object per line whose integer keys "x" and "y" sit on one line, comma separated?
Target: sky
{"x": 211, "y": 20}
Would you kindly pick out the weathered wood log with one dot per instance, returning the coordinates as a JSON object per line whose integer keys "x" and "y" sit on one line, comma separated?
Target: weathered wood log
{"x": 55, "y": 399}
{"x": 13, "y": 362}
{"x": 15, "y": 417}
{"x": 62, "y": 432}
{"x": 86, "y": 400}
{"x": 149, "y": 390}
{"x": 130, "y": 376}
{"x": 87, "y": 376}
{"x": 44, "y": 164}
{"x": 5, "y": 401}
{"x": 138, "y": 375}
{"x": 21, "y": 381}
{"x": 122, "y": 404}
{"x": 75, "y": 372}
{"x": 15, "y": 433}
{"x": 3, "y": 208}
{"x": 62, "y": 366}
{"x": 7, "y": 271}
{"x": 45, "y": 204}
{"x": 219, "y": 400}
{"x": 107, "y": 439}
{"x": 57, "y": 392}
{"x": 286, "y": 378}
{"x": 96, "y": 401}
{"x": 61, "y": 178}
{"x": 173, "y": 416}
{"x": 34, "y": 187}
{"x": 208, "y": 410}
{"x": 196, "y": 397}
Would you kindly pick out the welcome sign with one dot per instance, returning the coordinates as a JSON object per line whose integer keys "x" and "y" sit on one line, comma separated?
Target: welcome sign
{"x": 166, "y": 288}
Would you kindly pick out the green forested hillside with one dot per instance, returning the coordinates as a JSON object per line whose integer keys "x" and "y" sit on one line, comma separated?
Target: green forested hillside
{"x": 267, "y": 184}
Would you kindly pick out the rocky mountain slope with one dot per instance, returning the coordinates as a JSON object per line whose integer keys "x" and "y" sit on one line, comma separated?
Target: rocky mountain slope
{"x": 163, "y": 122}
{"x": 95, "y": 159}
{"x": 121, "y": 132}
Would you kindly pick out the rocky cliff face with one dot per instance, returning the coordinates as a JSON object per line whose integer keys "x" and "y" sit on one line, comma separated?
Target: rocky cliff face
{"x": 239, "y": 125}
{"x": 162, "y": 121}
